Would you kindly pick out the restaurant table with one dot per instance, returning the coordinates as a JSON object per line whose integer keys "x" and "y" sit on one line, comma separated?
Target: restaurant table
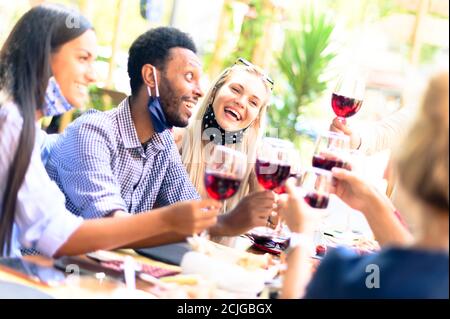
{"x": 83, "y": 286}
{"x": 98, "y": 283}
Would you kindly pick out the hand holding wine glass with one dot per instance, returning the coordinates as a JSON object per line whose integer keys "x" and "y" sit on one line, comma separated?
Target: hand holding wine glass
{"x": 273, "y": 162}
{"x": 294, "y": 210}
{"x": 225, "y": 169}
{"x": 224, "y": 172}
{"x": 352, "y": 189}
{"x": 295, "y": 171}
{"x": 273, "y": 165}
{"x": 316, "y": 185}
{"x": 252, "y": 211}
{"x": 331, "y": 150}
{"x": 343, "y": 128}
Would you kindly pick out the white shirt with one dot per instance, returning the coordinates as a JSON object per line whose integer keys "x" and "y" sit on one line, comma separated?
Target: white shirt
{"x": 384, "y": 134}
{"x": 41, "y": 219}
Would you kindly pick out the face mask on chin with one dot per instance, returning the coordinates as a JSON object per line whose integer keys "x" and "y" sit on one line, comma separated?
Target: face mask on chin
{"x": 159, "y": 120}
{"x": 216, "y": 134}
{"x": 55, "y": 103}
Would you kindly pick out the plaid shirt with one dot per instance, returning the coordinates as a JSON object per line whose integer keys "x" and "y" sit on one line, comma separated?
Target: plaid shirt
{"x": 101, "y": 166}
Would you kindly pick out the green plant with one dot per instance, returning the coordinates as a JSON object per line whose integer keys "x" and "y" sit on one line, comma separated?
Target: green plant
{"x": 251, "y": 32}
{"x": 303, "y": 63}
{"x": 427, "y": 53}
{"x": 98, "y": 100}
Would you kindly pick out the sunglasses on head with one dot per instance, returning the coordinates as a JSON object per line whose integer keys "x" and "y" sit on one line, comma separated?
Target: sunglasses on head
{"x": 243, "y": 61}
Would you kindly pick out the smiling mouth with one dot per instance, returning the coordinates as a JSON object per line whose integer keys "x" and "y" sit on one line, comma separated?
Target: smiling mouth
{"x": 190, "y": 105}
{"x": 233, "y": 113}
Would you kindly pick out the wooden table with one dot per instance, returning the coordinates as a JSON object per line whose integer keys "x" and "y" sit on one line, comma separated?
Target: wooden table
{"x": 84, "y": 286}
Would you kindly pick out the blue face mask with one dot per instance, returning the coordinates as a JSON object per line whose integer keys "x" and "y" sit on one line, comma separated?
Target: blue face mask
{"x": 160, "y": 123}
{"x": 55, "y": 103}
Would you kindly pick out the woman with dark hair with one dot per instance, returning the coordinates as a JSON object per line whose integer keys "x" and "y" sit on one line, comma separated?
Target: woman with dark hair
{"x": 47, "y": 61}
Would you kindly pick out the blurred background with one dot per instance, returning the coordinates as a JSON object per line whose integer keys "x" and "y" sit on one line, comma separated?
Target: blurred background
{"x": 304, "y": 45}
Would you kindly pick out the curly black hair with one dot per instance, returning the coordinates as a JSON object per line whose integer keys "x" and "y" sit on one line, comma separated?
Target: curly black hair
{"x": 153, "y": 47}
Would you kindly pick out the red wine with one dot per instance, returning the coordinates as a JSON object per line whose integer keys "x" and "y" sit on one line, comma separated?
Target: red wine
{"x": 327, "y": 163}
{"x": 282, "y": 188}
{"x": 221, "y": 187}
{"x": 271, "y": 176}
{"x": 345, "y": 106}
{"x": 316, "y": 200}
{"x": 321, "y": 250}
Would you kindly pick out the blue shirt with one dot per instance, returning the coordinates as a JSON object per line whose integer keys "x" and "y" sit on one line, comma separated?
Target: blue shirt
{"x": 402, "y": 273}
{"x": 46, "y": 143}
{"x": 101, "y": 166}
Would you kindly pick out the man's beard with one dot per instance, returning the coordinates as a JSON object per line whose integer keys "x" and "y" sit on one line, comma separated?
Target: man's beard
{"x": 171, "y": 104}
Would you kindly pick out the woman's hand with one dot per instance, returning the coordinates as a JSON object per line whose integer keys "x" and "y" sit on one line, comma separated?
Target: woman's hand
{"x": 340, "y": 126}
{"x": 354, "y": 191}
{"x": 375, "y": 205}
{"x": 294, "y": 210}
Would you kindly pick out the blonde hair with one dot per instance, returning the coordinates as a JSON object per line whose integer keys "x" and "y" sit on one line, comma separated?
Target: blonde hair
{"x": 195, "y": 142}
{"x": 423, "y": 162}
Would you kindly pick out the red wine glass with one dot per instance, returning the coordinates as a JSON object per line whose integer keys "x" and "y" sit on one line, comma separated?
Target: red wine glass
{"x": 315, "y": 187}
{"x": 225, "y": 169}
{"x": 348, "y": 95}
{"x": 331, "y": 150}
{"x": 273, "y": 166}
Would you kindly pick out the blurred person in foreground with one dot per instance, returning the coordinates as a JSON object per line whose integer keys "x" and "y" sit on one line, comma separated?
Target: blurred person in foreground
{"x": 401, "y": 269}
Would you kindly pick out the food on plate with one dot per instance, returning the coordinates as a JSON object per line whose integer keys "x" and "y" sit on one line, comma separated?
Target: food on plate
{"x": 244, "y": 259}
{"x": 182, "y": 280}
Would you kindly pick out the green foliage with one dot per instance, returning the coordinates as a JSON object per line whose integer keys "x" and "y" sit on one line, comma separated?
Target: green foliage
{"x": 303, "y": 62}
{"x": 357, "y": 13}
{"x": 251, "y": 33}
{"x": 98, "y": 100}
{"x": 428, "y": 53}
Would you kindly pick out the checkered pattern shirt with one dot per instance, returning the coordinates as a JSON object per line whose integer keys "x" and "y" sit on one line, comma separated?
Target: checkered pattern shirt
{"x": 101, "y": 166}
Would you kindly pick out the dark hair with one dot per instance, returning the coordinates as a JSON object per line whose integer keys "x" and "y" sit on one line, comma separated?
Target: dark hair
{"x": 25, "y": 70}
{"x": 153, "y": 47}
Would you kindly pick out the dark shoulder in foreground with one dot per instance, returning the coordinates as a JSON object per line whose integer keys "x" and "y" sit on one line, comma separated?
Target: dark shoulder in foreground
{"x": 392, "y": 273}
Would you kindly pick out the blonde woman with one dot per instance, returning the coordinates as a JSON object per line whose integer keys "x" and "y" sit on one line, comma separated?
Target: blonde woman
{"x": 232, "y": 113}
{"x": 404, "y": 270}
